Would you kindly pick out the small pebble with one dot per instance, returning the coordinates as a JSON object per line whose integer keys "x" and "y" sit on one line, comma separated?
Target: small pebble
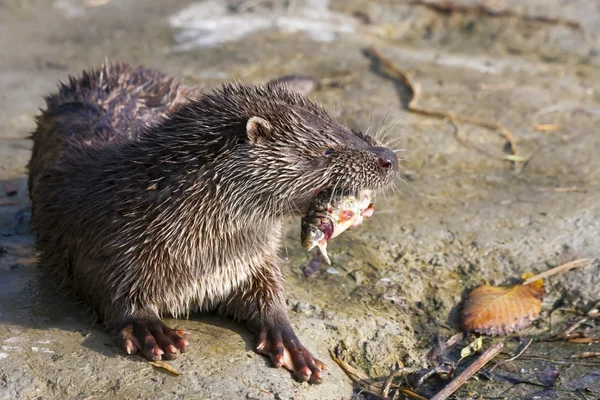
{"x": 333, "y": 271}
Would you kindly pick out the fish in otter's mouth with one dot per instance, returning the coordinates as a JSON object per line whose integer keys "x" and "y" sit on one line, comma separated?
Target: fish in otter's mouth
{"x": 328, "y": 216}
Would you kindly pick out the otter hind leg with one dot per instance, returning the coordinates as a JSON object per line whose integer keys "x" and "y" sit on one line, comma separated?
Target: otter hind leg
{"x": 279, "y": 342}
{"x": 147, "y": 334}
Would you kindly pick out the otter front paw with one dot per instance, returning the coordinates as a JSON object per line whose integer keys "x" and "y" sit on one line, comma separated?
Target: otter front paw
{"x": 153, "y": 339}
{"x": 284, "y": 349}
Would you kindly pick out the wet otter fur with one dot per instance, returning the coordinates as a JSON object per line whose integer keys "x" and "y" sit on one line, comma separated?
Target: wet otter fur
{"x": 150, "y": 198}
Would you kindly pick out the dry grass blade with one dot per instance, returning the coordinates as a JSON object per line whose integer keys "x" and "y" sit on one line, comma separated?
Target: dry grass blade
{"x": 586, "y": 354}
{"x": 546, "y": 127}
{"x": 584, "y": 340}
{"x": 396, "y": 72}
{"x": 571, "y": 189}
{"x": 411, "y": 394}
{"x": 95, "y": 3}
{"x": 164, "y": 366}
{"x": 471, "y": 370}
{"x": 515, "y": 158}
{"x": 583, "y": 262}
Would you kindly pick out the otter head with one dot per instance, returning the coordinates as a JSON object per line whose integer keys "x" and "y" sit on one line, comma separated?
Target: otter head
{"x": 302, "y": 151}
{"x": 270, "y": 146}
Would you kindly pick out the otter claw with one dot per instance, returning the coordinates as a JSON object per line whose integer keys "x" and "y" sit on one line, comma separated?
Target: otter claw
{"x": 153, "y": 339}
{"x": 284, "y": 349}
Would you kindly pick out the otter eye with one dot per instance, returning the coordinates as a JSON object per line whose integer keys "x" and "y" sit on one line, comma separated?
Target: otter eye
{"x": 328, "y": 152}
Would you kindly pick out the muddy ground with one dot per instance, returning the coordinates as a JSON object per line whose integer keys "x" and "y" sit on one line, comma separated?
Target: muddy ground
{"x": 462, "y": 216}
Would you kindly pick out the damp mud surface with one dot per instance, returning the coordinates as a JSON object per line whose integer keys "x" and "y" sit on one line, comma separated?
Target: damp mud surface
{"x": 462, "y": 215}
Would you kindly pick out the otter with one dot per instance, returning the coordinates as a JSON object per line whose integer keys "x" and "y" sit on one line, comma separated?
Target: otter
{"x": 150, "y": 198}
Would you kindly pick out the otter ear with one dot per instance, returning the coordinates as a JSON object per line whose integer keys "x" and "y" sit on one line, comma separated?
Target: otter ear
{"x": 258, "y": 129}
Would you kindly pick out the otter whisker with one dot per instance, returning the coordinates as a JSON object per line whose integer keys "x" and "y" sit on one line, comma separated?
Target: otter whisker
{"x": 381, "y": 122}
{"x": 389, "y": 130}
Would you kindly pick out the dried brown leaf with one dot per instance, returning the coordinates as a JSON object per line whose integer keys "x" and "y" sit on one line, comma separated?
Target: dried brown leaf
{"x": 498, "y": 310}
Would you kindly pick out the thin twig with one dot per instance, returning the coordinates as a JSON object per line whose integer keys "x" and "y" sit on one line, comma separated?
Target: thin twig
{"x": 471, "y": 370}
{"x": 514, "y": 357}
{"x": 415, "y": 90}
{"x": 353, "y": 373}
{"x": 582, "y": 262}
{"x": 567, "y": 332}
{"x": 385, "y": 389}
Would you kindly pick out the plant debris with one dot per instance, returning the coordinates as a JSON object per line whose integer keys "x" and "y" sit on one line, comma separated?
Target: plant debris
{"x": 471, "y": 349}
{"x": 571, "y": 189}
{"x": 471, "y": 370}
{"x": 395, "y": 72}
{"x": 371, "y": 386}
{"x": 494, "y": 310}
{"x": 547, "y": 127}
{"x": 478, "y": 10}
{"x": 586, "y": 354}
{"x": 313, "y": 266}
{"x": 10, "y": 189}
{"x": 548, "y": 376}
{"x": 515, "y": 380}
{"x": 418, "y": 378}
{"x": 164, "y": 366}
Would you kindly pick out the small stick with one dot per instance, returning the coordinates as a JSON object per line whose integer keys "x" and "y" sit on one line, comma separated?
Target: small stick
{"x": 582, "y": 262}
{"x": 469, "y": 372}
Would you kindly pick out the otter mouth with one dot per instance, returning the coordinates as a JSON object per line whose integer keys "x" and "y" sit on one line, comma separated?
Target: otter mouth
{"x": 329, "y": 215}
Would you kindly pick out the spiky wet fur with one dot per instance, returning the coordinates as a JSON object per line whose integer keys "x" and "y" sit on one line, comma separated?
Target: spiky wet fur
{"x": 149, "y": 199}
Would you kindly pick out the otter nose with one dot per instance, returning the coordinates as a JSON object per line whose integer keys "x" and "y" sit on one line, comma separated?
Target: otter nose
{"x": 386, "y": 158}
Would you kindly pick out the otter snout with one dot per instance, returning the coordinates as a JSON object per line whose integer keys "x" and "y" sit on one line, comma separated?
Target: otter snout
{"x": 386, "y": 159}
